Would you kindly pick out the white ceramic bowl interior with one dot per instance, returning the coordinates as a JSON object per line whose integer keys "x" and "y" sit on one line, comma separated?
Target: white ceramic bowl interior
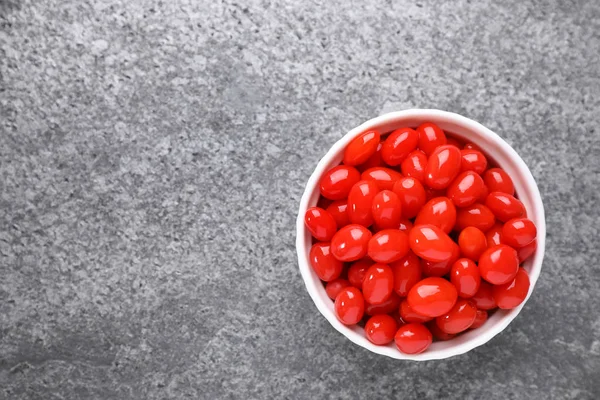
{"x": 496, "y": 149}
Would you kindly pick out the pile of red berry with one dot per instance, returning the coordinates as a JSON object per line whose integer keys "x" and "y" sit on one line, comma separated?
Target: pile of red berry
{"x": 418, "y": 237}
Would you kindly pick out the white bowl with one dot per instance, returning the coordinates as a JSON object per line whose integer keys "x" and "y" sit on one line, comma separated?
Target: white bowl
{"x": 495, "y": 148}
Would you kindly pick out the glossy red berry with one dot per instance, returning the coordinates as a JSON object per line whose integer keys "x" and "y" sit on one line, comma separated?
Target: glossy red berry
{"x": 409, "y": 315}
{"x": 518, "y": 232}
{"x": 414, "y": 165}
{"x": 439, "y": 268}
{"x": 473, "y": 160}
{"x": 378, "y": 284}
{"x": 465, "y": 276}
{"x": 484, "y": 298}
{"x": 476, "y": 215}
{"x": 398, "y": 145}
{"x": 325, "y": 265}
{"x": 411, "y": 194}
{"x": 407, "y": 272}
{"x": 360, "y": 201}
{"x": 459, "y": 318}
{"x": 472, "y": 243}
{"x": 440, "y": 212}
{"x": 388, "y": 245}
{"x": 493, "y": 236}
{"x": 430, "y": 137}
{"x": 389, "y": 306}
{"x": 338, "y": 210}
{"x": 513, "y": 293}
{"x": 413, "y": 338}
{"x": 350, "y": 243}
{"x": 480, "y": 319}
{"x": 349, "y": 306}
{"x": 380, "y": 329}
{"x": 374, "y": 161}
{"x": 499, "y": 264}
{"x": 432, "y": 297}
{"x": 361, "y": 148}
{"x": 504, "y": 206}
{"x": 385, "y": 177}
{"x": 320, "y": 224}
{"x": 357, "y": 272}
{"x": 526, "y": 251}
{"x": 443, "y": 166}
{"x": 386, "y": 210}
{"x": 334, "y": 287}
{"x": 465, "y": 189}
{"x": 337, "y": 182}
{"x": 497, "y": 180}
{"x": 431, "y": 243}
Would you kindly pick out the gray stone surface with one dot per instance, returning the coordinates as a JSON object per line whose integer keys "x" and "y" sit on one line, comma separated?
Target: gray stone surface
{"x": 153, "y": 154}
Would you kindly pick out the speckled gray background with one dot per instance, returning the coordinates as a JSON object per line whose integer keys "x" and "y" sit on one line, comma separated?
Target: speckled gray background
{"x": 153, "y": 154}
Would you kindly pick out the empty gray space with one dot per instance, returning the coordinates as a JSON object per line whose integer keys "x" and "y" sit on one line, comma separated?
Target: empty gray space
{"x": 152, "y": 159}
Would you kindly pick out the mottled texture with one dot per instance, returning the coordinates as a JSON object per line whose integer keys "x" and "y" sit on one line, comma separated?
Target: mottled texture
{"x": 153, "y": 155}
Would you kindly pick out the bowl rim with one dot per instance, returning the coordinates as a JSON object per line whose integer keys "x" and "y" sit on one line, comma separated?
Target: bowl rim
{"x": 335, "y": 152}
